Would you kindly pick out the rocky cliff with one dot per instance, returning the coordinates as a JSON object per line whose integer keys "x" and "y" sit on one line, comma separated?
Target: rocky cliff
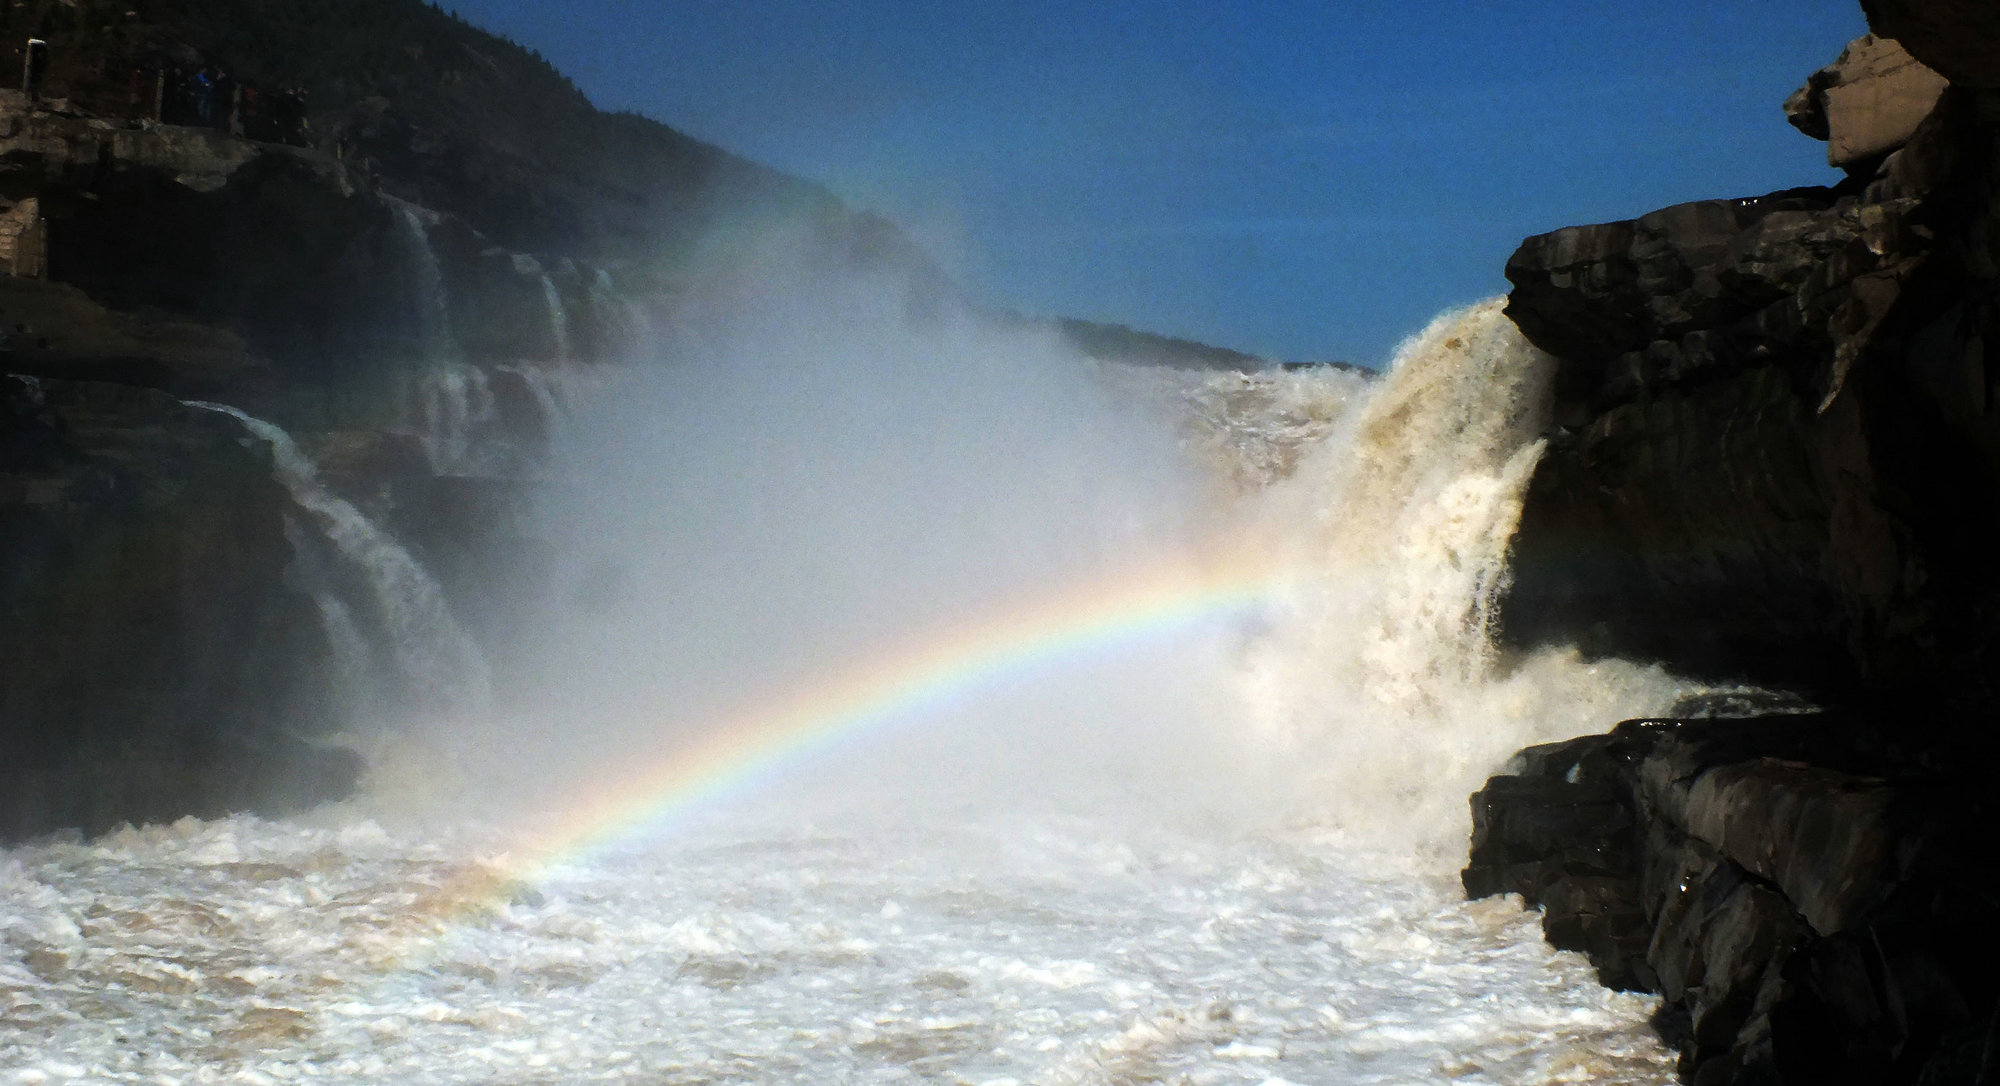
{"x": 1777, "y": 461}
{"x": 1779, "y": 444}
{"x": 150, "y": 639}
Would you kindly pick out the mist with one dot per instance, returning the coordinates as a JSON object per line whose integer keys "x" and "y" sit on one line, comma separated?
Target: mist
{"x": 809, "y": 478}
{"x": 817, "y": 481}
{"x": 839, "y": 728}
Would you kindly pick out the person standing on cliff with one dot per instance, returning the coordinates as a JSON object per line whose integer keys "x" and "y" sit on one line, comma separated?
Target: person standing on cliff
{"x": 204, "y": 99}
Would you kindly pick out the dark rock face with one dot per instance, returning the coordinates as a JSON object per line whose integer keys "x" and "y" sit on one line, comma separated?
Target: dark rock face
{"x": 153, "y": 662}
{"x": 1779, "y": 448}
{"x": 1955, "y": 37}
{"x": 1812, "y": 895}
{"x": 1778, "y": 460}
{"x": 338, "y": 287}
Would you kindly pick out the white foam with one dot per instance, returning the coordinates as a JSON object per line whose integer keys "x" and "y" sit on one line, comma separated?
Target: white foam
{"x": 255, "y": 951}
{"x": 1378, "y": 671}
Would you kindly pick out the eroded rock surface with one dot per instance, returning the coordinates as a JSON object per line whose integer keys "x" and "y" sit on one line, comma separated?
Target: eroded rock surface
{"x": 1779, "y": 450}
{"x": 154, "y": 661}
{"x": 1811, "y": 894}
{"x": 1867, "y": 103}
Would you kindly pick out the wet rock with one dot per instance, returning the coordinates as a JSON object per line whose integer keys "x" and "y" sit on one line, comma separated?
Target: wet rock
{"x": 154, "y": 659}
{"x": 1558, "y": 831}
{"x": 1820, "y": 836}
{"x": 1803, "y": 921}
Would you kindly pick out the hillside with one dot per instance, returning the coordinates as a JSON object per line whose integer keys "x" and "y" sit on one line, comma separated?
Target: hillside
{"x": 441, "y": 113}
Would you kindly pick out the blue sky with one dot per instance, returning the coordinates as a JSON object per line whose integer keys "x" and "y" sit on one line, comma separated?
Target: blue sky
{"x": 1303, "y": 180}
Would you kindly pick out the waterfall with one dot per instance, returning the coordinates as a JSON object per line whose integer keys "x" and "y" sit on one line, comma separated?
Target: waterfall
{"x": 546, "y": 387}
{"x": 1379, "y": 667}
{"x": 427, "y": 287}
{"x": 433, "y": 655}
{"x": 915, "y": 647}
{"x": 629, "y": 329}
{"x": 455, "y": 411}
{"x": 558, "y": 318}
{"x": 348, "y": 647}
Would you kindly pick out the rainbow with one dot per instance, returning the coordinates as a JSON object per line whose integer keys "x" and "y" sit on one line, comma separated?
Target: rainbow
{"x": 754, "y": 744}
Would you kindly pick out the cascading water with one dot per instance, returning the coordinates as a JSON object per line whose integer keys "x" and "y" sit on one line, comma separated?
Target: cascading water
{"x": 427, "y": 288}
{"x": 558, "y": 318}
{"x": 1080, "y": 840}
{"x": 433, "y": 656}
{"x": 546, "y": 387}
{"x": 353, "y": 666}
{"x": 456, "y": 411}
{"x": 455, "y": 416}
{"x": 1378, "y": 667}
{"x": 450, "y": 406}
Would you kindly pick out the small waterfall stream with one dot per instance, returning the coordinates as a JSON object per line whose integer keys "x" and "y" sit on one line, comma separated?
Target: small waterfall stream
{"x": 433, "y": 655}
{"x": 427, "y": 288}
{"x": 558, "y": 318}
{"x": 454, "y": 418}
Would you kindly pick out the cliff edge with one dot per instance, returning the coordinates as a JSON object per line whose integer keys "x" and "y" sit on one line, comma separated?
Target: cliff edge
{"x": 1777, "y": 462}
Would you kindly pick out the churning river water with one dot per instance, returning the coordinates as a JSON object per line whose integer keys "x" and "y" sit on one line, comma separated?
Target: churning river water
{"x": 1226, "y": 855}
{"x": 1026, "y": 951}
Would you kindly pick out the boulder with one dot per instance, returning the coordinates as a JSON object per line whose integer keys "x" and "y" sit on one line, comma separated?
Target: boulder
{"x": 1867, "y": 103}
{"x": 1811, "y": 898}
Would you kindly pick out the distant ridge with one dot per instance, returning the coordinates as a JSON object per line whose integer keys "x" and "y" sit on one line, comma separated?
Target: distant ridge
{"x": 1121, "y": 343}
{"x": 426, "y": 107}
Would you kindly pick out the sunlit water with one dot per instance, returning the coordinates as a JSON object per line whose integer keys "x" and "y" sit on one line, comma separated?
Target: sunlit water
{"x": 1035, "y": 951}
{"x": 1223, "y": 854}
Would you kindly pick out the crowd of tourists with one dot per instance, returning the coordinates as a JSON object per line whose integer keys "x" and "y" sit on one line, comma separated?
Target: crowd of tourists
{"x": 203, "y": 97}
{"x": 211, "y": 98}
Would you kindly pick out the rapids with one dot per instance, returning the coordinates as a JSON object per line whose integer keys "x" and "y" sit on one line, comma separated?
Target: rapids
{"x": 1219, "y": 850}
{"x": 1003, "y": 950}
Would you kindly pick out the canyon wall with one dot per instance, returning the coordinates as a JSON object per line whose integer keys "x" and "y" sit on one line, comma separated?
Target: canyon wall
{"x": 1777, "y": 462}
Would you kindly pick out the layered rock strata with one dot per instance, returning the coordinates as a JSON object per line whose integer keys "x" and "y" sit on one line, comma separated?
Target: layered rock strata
{"x": 1777, "y": 461}
{"x": 1779, "y": 451}
{"x": 1812, "y": 894}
